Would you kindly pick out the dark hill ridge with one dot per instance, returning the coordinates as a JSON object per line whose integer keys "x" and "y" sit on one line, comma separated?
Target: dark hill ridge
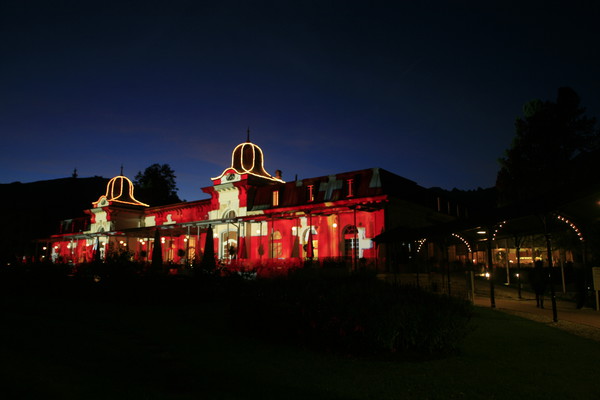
{"x": 33, "y": 210}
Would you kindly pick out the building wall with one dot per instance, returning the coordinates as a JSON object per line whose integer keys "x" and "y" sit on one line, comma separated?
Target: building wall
{"x": 257, "y": 219}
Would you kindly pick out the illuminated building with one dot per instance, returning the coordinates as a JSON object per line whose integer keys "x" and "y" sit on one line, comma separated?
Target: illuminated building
{"x": 259, "y": 219}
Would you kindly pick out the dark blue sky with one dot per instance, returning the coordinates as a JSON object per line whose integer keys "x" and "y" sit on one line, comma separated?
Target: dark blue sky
{"x": 429, "y": 91}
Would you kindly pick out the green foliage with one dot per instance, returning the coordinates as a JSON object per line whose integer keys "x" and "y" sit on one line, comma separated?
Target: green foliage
{"x": 549, "y": 136}
{"x": 156, "y": 185}
{"x": 354, "y": 315}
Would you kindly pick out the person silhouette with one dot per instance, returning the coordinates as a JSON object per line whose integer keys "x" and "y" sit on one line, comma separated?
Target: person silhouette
{"x": 538, "y": 278}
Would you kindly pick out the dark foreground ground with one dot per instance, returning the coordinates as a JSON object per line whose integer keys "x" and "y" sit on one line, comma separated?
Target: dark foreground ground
{"x": 79, "y": 347}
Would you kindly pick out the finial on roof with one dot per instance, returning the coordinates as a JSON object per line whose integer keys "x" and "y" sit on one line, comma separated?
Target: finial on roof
{"x": 248, "y": 135}
{"x": 74, "y": 173}
{"x": 121, "y": 170}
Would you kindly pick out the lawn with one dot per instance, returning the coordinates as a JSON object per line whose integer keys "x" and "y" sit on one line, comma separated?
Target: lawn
{"x": 57, "y": 347}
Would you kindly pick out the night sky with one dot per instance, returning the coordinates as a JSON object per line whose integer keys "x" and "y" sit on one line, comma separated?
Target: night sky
{"x": 428, "y": 90}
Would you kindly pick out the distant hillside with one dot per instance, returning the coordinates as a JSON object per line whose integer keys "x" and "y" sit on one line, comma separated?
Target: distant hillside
{"x": 33, "y": 210}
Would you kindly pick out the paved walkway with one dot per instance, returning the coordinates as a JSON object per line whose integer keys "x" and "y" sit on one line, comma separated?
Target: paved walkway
{"x": 584, "y": 322}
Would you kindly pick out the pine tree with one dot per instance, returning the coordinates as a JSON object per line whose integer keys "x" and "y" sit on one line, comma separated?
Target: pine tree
{"x": 156, "y": 185}
{"x": 549, "y": 136}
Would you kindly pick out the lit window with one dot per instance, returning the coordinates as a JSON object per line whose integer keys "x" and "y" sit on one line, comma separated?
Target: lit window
{"x": 229, "y": 215}
{"x": 276, "y": 245}
{"x": 311, "y": 193}
{"x": 276, "y": 198}
{"x": 350, "y": 187}
{"x": 350, "y": 235}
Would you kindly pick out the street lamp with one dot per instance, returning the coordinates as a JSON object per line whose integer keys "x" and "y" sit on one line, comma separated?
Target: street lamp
{"x": 490, "y": 263}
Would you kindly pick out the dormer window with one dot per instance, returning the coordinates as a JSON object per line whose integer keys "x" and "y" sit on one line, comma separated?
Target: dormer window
{"x": 350, "y": 188}
{"x": 275, "y": 198}
{"x": 311, "y": 193}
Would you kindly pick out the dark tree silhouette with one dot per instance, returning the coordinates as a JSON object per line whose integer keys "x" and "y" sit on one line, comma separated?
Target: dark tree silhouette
{"x": 156, "y": 185}
{"x": 549, "y": 136}
{"x": 208, "y": 263}
{"x": 157, "y": 259}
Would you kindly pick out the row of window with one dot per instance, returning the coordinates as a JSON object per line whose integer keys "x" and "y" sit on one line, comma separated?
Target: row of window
{"x": 444, "y": 206}
{"x": 310, "y": 192}
{"x": 350, "y": 244}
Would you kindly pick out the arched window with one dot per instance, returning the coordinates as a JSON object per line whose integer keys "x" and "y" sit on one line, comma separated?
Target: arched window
{"x": 191, "y": 250}
{"x": 229, "y": 244}
{"x": 229, "y": 215}
{"x": 276, "y": 247}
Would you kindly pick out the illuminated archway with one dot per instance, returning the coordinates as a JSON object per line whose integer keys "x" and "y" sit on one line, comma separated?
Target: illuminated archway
{"x": 462, "y": 239}
{"x": 572, "y": 226}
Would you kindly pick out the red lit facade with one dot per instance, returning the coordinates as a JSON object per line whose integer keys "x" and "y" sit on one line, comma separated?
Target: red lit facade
{"x": 258, "y": 219}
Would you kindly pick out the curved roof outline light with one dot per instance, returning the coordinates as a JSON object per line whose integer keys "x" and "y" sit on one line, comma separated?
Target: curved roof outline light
{"x": 421, "y": 243}
{"x": 462, "y": 239}
{"x": 571, "y": 225}
{"x": 119, "y": 190}
{"x": 248, "y": 158}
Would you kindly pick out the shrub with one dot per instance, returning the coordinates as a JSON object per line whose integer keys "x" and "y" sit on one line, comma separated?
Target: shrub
{"x": 356, "y": 315}
{"x": 113, "y": 270}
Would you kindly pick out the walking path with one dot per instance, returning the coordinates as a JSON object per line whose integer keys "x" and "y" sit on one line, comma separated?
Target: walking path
{"x": 584, "y": 322}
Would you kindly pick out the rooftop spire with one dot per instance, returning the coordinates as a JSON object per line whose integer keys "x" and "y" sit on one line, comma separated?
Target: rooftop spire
{"x": 121, "y": 170}
{"x": 248, "y": 135}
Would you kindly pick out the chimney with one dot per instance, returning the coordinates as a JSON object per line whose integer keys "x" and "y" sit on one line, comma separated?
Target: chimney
{"x": 278, "y": 174}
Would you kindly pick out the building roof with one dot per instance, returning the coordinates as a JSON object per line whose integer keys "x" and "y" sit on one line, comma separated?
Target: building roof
{"x": 119, "y": 190}
{"x": 248, "y": 158}
{"x": 343, "y": 186}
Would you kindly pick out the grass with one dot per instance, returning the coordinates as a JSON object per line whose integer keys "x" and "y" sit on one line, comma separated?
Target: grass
{"x": 53, "y": 347}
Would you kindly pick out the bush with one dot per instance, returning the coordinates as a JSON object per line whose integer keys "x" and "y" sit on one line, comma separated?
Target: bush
{"x": 356, "y": 315}
{"x": 113, "y": 270}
